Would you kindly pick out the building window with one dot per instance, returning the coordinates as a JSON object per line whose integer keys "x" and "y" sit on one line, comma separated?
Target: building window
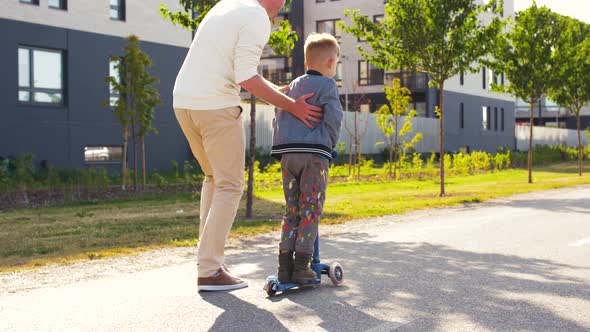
{"x": 495, "y": 119}
{"x": 114, "y": 72}
{"x": 58, "y": 4}
{"x": 486, "y": 110}
{"x": 484, "y": 81}
{"x": 421, "y": 109}
{"x": 502, "y": 78}
{"x": 40, "y": 76}
{"x": 117, "y": 10}
{"x": 502, "y": 116}
{"x": 462, "y": 78}
{"x": 276, "y": 70}
{"x": 102, "y": 154}
{"x": 369, "y": 74}
{"x": 32, "y": 2}
{"x": 461, "y": 116}
{"x": 338, "y": 76}
{"x": 329, "y": 26}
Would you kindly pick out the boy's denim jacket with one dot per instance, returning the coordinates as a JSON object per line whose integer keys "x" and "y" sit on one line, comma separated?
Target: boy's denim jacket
{"x": 292, "y": 136}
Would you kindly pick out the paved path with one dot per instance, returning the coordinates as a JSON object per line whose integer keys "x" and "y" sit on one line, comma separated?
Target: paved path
{"x": 521, "y": 263}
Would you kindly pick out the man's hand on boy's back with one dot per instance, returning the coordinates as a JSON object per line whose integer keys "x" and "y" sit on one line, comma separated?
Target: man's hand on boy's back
{"x": 305, "y": 112}
{"x": 267, "y": 91}
{"x": 313, "y": 113}
{"x": 284, "y": 89}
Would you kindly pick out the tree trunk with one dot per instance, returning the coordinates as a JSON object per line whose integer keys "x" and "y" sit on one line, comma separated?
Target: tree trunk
{"x": 358, "y": 158}
{"x": 124, "y": 158}
{"x": 143, "y": 174}
{"x": 579, "y": 144}
{"x": 530, "y": 161}
{"x": 135, "y": 168}
{"x": 398, "y": 167}
{"x": 442, "y": 141}
{"x": 350, "y": 152}
{"x": 251, "y": 157}
{"x": 391, "y": 168}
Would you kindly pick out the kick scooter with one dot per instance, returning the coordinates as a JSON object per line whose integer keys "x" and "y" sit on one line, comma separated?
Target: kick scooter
{"x": 334, "y": 271}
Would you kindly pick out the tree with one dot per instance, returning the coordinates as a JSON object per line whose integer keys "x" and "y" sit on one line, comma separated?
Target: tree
{"x": 571, "y": 88}
{"x": 441, "y": 38}
{"x": 123, "y": 113}
{"x": 138, "y": 99}
{"x": 282, "y": 40}
{"x": 389, "y": 119}
{"x": 524, "y": 54}
{"x": 355, "y": 126}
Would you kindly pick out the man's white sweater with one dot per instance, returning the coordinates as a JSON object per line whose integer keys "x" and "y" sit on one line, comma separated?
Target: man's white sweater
{"x": 226, "y": 51}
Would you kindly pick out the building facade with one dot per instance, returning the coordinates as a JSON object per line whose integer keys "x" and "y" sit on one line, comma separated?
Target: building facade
{"x": 55, "y": 57}
{"x": 475, "y": 117}
{"x": 546, "y": 113}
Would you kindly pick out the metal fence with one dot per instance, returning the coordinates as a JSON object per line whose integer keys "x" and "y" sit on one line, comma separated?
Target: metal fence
{"x": 429, "y": 128}
{"x": 547, "y": 136}
{"x": 365, "y": 122}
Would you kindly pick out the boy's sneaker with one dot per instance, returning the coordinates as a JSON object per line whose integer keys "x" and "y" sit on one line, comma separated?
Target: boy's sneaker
{"x": 220, "y": 281}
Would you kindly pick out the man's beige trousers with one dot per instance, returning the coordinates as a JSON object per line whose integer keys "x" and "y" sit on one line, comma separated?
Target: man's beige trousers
{"x": 216, "y": 138}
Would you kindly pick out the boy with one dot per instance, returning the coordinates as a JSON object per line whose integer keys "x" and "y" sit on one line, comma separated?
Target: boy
{"x": 305, "y": 155}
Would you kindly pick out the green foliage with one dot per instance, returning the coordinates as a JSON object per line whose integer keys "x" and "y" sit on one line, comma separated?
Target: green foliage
{"x": 571, "y": 88}
{"x": 394, "y": 120}
{"x": 461, "y": 164}
{"x": 524, "y": 54}
{"x": 417, "y": 162}
{"x": 24, "y": 171}
{"x": 84, "y": 214}
{"x": 175, "y": 171}
{"x": 282, "y": 40}
{"x": 190, "y": 172}
{"x": 159, "y": 180}
{"x": 502, "y": 161}
{"x": 193, "y": 13}
{"x": 441, "y": 38}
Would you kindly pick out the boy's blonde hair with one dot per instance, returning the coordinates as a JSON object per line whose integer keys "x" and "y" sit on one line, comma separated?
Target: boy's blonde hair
{"x": 319, "y": 47}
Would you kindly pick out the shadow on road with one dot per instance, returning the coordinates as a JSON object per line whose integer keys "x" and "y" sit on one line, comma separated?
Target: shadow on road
{"x": 430, "y": 282}
{"x": 238, "y": 313}
{"x": 555, "y": 205}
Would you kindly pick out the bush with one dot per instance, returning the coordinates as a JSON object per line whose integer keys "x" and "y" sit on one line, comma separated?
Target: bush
{"x": 462, "y": 164}
{"x": 481, "y": 161}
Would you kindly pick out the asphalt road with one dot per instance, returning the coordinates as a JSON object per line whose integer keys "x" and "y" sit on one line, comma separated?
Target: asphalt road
{"x": 516, "y": 264}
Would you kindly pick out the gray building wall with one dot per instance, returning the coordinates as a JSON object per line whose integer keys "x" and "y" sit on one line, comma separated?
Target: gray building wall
{"x": 473, "y": 134}
{"x": 59, "y": 134}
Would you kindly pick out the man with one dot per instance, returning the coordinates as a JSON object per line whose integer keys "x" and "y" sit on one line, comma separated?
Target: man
{"x": 223, "y": 57}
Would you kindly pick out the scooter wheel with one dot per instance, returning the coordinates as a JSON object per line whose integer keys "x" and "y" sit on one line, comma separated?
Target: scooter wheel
{"x": 269, "y": 288}
{"x": 336, "y": 274}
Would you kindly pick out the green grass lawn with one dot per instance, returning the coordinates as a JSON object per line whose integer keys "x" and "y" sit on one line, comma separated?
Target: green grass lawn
{"x": 32, "y": 237}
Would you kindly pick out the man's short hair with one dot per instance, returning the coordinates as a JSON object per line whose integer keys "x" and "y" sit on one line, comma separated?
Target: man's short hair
{"x": 320, "y": 46}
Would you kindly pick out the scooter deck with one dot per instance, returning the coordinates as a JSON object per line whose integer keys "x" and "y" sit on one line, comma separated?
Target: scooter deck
{"x": 317, "y": 267}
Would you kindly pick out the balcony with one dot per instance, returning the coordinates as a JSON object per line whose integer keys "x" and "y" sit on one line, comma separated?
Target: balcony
{"x": 415, "y": 82}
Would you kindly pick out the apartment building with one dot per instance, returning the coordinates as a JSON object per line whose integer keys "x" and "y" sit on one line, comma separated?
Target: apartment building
{"x": 56, "y": 55}
{"x": 475, "y": 118}
{"x": 54, "y": 59}
{"x": 547, "y": 113}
